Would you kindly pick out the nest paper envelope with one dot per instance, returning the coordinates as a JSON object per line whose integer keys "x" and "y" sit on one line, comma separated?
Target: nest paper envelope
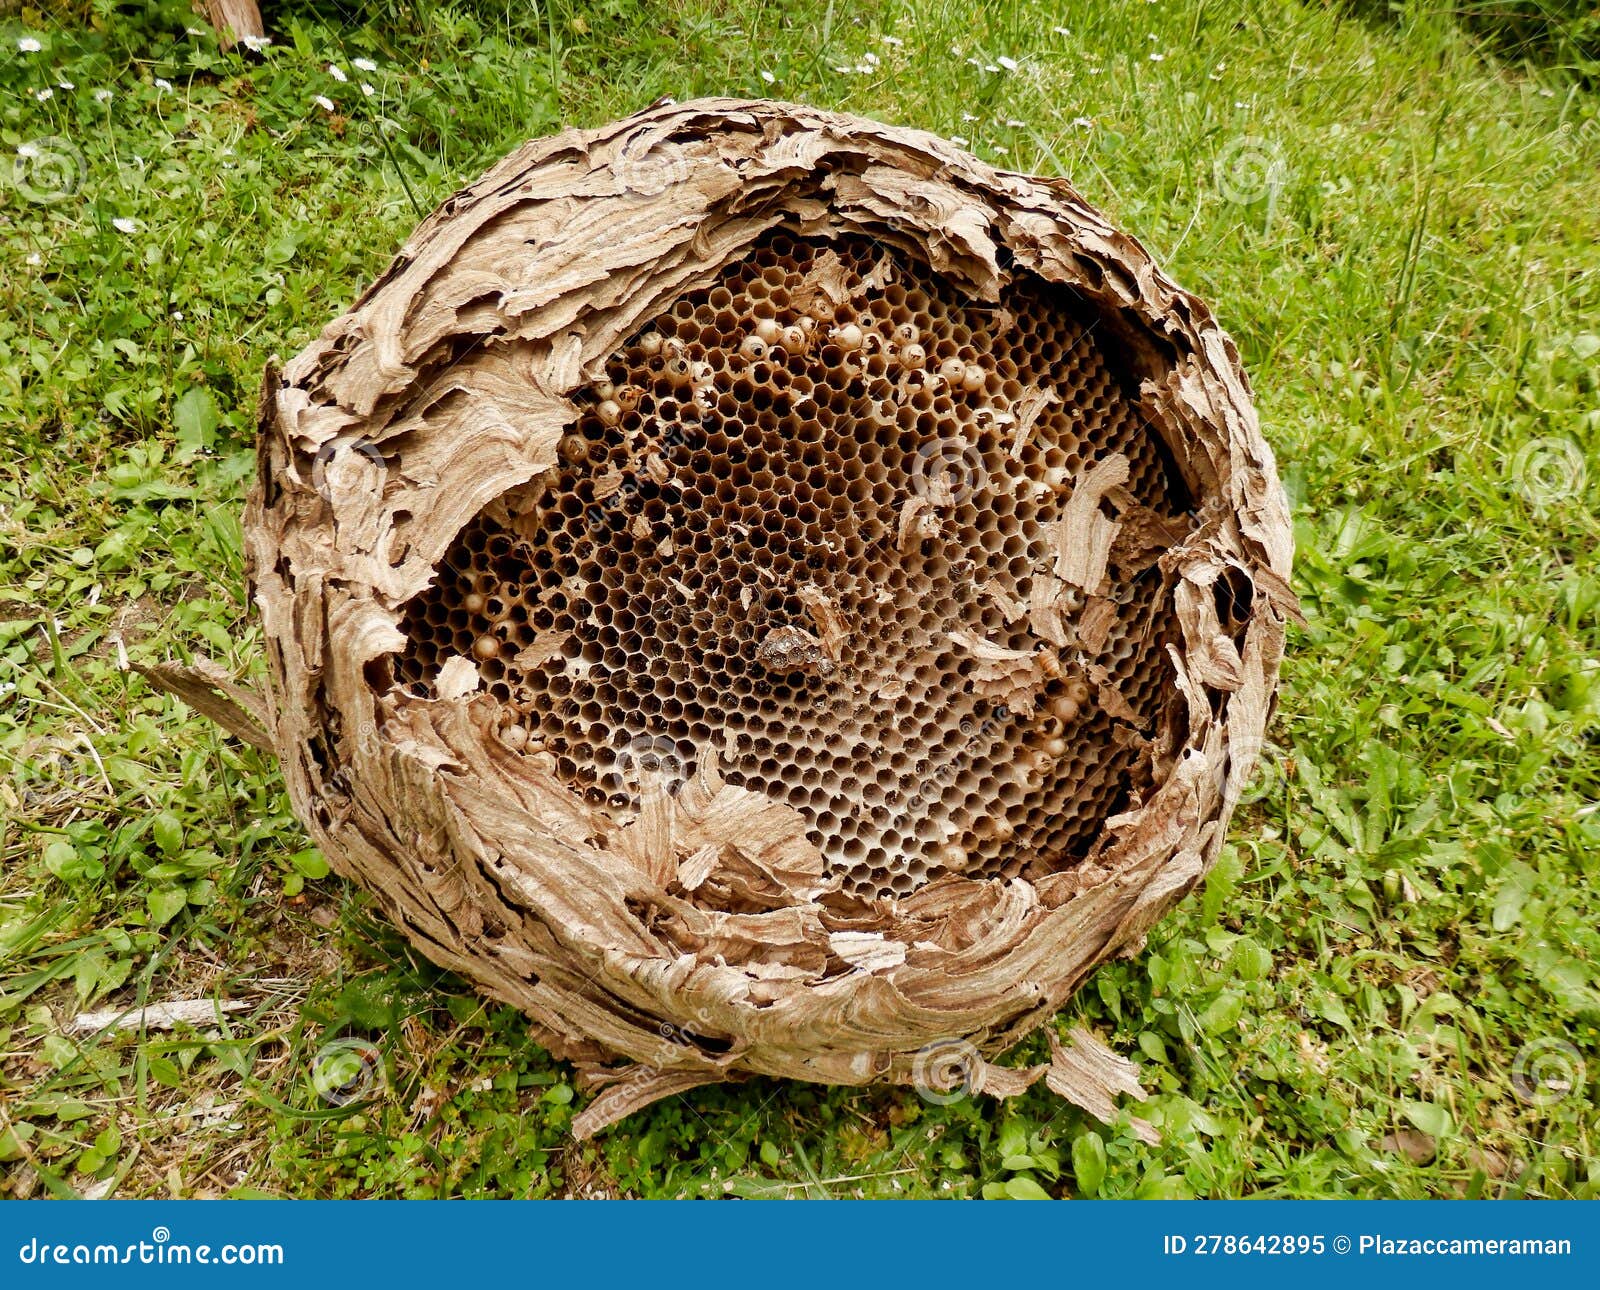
{"x": 765, "y": 593}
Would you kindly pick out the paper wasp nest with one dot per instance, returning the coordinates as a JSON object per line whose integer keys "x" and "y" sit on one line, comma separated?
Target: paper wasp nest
{"x": 763, "y": 592}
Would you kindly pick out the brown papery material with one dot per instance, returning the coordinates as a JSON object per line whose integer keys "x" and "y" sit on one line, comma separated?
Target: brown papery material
{"x": 763, "y": 592}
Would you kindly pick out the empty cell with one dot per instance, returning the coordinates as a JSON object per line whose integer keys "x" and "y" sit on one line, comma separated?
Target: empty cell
{"x": 678, "y": 530}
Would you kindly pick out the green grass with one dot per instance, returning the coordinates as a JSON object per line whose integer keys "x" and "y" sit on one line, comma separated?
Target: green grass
{"x": 1401, "y": 235}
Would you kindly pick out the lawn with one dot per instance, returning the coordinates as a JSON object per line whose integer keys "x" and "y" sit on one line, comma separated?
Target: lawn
{"x": 1389, "y": 984}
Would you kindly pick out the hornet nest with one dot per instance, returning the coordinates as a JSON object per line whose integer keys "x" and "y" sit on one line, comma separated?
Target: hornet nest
{"x": 765, "y": 593}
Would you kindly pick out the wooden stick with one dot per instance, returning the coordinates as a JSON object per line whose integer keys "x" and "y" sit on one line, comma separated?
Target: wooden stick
{"x": 235, "y": 20}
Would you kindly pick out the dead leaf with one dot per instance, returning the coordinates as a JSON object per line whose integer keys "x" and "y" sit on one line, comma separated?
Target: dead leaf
{"x": 1416, "y": 1146}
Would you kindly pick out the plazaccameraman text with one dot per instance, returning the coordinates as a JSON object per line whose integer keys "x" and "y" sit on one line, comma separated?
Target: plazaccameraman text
{"x": 1316, "y": 1245}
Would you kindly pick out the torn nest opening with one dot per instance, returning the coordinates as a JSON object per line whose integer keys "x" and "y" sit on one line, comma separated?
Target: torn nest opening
{"x": 721, "y": 558}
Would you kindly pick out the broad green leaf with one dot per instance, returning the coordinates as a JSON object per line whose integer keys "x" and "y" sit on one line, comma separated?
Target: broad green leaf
{"x": 1223, "y": 1012}
{"x": 1013, "y": 1137}
{"x": 1430, "y": 1117}
{"x": 1516, "y": 887}
{"x": 1161, "y": 1187}
{"x": 70, "y": 864}
{"x": 1251, "y": 960}
{"x": 168, "y": 833}
{"x": 166, "y": 903}
{"x": 13, "y": 1141}
{"x": 1089, "y": 1162}
{"x": 195, "y": 416}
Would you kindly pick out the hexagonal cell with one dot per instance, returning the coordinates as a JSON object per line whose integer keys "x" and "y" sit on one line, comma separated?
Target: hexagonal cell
{"x": 770, "y": 531}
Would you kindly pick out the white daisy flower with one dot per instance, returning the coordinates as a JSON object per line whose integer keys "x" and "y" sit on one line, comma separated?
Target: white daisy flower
{"x": 125, "y": 225}
{"x": 335, "y": 71}
{"x": 769, "y": 78}
{"x": 364, "y": 64}
{"x": 892, "y": 40}
{"x": 163, "y": 85}
{"x": 29, "y": 45}
{"x": 35, "y": 259}
{"x": 323, "y": 102}
{"x": 46, "y": 93}
{"x": 255, "y": 44}
{"x": 1010, "y": 64}
{"x": 65, "y": 85}
{"x": 1156, "y": 58}
{"x": 367, "y": 89}
{"x": 103, "y": 96}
